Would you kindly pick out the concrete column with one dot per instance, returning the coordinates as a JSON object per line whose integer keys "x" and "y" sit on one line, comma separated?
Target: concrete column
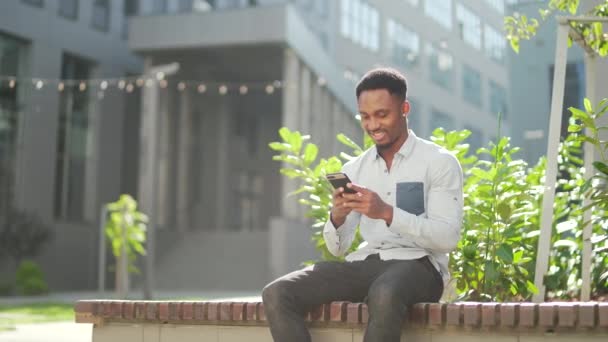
{"x": 223, "y": 180}
{"x": 164, "y": 157}
{"x": 316, "y": 114}
{"x": 337, "y": 124}
{"x": 305, "y": 100}
{"x": 291, "y": 114}
{"x": 148, "y": 173}
{"x": 184, "y": 163}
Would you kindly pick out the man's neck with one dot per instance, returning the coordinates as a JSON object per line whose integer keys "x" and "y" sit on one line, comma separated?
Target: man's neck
{"x": 388, "y": 153}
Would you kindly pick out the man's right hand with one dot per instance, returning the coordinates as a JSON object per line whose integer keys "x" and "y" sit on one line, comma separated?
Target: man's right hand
{"x": 338, "y": 210}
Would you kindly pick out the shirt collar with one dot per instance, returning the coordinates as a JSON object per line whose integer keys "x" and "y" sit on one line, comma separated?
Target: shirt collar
{"x": 406, "y": 148}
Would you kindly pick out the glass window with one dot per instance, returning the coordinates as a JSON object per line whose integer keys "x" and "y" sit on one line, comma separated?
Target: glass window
{"x": 469, "y": 26}
{"x": 403, "y": 44}
{"x": 440, "y": 11}
{"x": 498, "y": 100}
{"x": 37, "y": 3}
{"x": 184, "y": 6}
{"x": 68, "y": 9}
{"x": 130, "y": 8}
{"x": 498, "y": 5}
{"x": 72, "y": 141}
{"x": 495, "y": 44}
{"x": 441, "y": 119}
{"x": 159, "y": 6}
{"x": 471, "y": 85}
{"x": 11, "y": 63}
{"x": 360, "y": 22}
{"x": 101, "y": 15}
{"x": 441, "y": 65}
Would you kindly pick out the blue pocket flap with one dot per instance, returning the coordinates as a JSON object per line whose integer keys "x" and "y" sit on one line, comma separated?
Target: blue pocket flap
{"x": 410, "y": 197}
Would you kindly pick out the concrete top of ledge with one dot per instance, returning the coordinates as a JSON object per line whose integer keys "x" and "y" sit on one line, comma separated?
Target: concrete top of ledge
{"x": 551, "y": 315}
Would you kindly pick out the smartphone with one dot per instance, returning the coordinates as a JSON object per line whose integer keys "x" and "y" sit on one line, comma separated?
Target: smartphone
{"x": 340, "y": 179}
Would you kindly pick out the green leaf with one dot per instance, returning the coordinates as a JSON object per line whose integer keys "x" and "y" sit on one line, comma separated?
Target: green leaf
{"x": 310, "y": 153}
{"x": 285, "y": 134}
{"x": 348, "y": 142}
{"x": 277, "y": 146}
{"x": 601, "y": 167}
{"x": 588, "y": 106}
{"x": 566, "y": 243}
{"x": 505, "y": 252}
{"x": 491, "y": 271}
{"x": 291, "y": 173}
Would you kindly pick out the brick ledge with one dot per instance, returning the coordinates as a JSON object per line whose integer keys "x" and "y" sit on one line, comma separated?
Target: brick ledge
{"x": 548, "y": 316}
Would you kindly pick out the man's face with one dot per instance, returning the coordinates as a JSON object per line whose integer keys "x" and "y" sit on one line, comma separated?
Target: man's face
{"x": 383, "y": 117}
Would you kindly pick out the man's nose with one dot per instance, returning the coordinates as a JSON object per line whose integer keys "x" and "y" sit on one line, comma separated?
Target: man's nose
{"x": 372, "y": 124}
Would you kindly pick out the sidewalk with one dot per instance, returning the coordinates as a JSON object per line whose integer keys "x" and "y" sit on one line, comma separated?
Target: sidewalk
{"x": 72, "y": 332}
{"x": 72, "y": 297}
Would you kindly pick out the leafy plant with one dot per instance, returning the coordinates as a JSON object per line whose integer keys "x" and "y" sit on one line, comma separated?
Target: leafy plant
{"x": 585, "y": 128}
{"x": 495, "y": 258}
{"x": 519, "y": 27}
{"x": 30, "y": 279}
{"x": 301, "y": 158}
{"x": 22, "y": 235}
{"x": 490, "y": 262}
{"x": 126, "y": 228}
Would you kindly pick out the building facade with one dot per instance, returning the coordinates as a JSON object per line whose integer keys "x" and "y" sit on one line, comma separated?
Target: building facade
{"x": 61, "y": 143}
{"x": 193, "y": 149}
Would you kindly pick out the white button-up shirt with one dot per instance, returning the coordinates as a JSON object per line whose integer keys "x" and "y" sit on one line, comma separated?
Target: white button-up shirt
{"x": 425, "y": 180}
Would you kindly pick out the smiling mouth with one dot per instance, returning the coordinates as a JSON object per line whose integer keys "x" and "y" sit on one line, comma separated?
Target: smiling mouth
{"x": 377, "y": 135}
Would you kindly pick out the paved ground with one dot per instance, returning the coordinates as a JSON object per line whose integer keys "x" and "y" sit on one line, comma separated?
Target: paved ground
{"x": 72, "y": 332}
{"x": 49, "y": 332}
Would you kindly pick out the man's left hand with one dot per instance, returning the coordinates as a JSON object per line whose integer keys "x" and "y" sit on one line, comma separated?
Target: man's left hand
{"x": 368, "y": 203}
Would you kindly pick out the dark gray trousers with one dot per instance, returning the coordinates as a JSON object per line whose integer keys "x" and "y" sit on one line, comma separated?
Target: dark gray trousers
{"x": 388, "y": 287}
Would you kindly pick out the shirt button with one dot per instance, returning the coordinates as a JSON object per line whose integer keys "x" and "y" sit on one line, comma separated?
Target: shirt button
{"x": 388, "y": 193}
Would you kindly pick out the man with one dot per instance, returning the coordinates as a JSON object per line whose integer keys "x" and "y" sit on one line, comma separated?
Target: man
{"x": 408, "y": 205}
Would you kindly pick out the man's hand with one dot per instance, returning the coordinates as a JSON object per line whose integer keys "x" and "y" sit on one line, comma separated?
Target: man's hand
{"x": 368, "y": 203}
{"x": 338, "y": 211}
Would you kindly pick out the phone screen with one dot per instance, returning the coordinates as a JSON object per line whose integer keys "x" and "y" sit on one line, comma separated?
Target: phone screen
{"x": 340, "y": 179}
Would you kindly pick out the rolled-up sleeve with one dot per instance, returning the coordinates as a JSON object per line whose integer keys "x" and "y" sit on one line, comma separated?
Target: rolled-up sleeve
{"x": 339, "y": 239}
{"x": 439, "y": 231}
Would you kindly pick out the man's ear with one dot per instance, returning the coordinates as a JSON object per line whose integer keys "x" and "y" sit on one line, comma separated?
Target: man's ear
{"x": 405, "y": 109}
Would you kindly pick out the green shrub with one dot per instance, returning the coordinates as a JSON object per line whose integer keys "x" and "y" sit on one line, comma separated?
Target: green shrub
{"x": 30, "y": 279}
{"x": 496, "y": 256}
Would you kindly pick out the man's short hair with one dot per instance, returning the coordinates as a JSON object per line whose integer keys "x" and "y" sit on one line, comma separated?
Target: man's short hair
{"x": 383, "y": 78}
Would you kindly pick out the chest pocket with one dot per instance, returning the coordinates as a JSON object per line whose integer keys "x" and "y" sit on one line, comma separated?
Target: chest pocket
{"x": 410, "y": 197}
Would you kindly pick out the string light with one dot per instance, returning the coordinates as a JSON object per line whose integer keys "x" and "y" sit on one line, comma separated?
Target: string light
{"x": 131, "y": 82}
